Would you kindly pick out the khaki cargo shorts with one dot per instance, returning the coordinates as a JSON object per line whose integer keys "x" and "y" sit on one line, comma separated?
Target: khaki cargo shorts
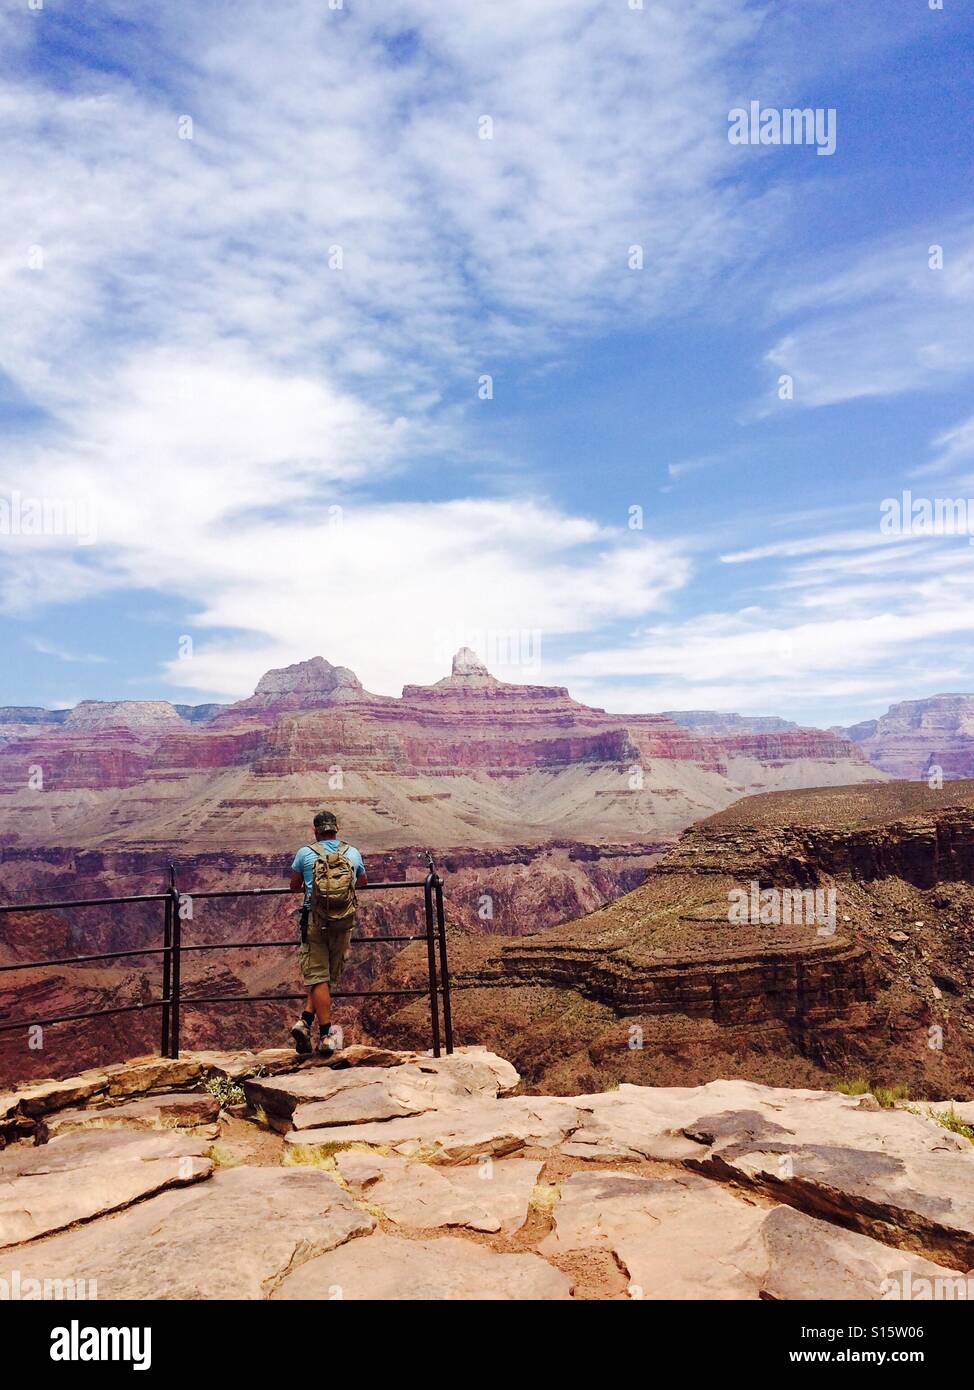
{"x": 322, "y": 962}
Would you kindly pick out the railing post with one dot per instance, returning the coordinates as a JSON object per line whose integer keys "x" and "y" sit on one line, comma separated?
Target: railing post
{"x": 431, "y": 961}
{"x": 174, "y": 975}
{"x": 444, "y": 967}
{"x": 166, "y": 977}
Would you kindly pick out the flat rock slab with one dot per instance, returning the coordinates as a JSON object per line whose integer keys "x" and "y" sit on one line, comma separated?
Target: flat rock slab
{"x": 384, "y": 1268}
{"x": 237, "y": 1065}
{"x": 43, "y": 1097}
{"x": 356, "y": 1105}
{"x": 893, "y": 1174}
{"x": 139, "y": 1076}
{"x": 412, "y": 1086}
{"x": 282, "y": 1096}
{"x": 142, "y": 1075}
{"x": 923, "y": 1202}
{"x": 492, "y": 1196}
{"x": 191, "y": 1110}
{"x": 88, "y": 1173}
{"x": 458, "y": 1133}
{"x": 687, "y": 1238}
{"x": 235, "y": 1236}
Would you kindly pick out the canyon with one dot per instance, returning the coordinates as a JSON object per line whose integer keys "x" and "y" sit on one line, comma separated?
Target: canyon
{"x": 555, "y": 806}
{"x": 932, "y": 739}
{"x": 665, "y": 986}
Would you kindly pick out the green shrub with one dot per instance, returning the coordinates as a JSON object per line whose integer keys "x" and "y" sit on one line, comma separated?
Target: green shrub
{"x": 858, "y": 1086}
{"x": 227, "y": 1091}
{"x": 889, "y": 1095}
{"x": 950, "y": 1119}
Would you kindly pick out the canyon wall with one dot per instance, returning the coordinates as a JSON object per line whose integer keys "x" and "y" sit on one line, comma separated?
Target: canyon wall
{"x": 920, "y": 739}
{"x": 663, "y": 987}
{"x": 537, "y": 807}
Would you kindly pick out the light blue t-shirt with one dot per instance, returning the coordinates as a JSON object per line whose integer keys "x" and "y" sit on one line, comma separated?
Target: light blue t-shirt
{"x": 304, "y": 862}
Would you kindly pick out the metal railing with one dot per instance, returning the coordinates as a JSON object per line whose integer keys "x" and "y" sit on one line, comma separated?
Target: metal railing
{"x": 172, "y": 1000}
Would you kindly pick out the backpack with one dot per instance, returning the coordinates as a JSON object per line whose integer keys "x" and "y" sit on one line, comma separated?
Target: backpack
{"x": 332, "y": 888}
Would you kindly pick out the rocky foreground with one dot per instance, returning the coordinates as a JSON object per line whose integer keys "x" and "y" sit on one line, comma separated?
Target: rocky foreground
{"x": 393, "y": 1175}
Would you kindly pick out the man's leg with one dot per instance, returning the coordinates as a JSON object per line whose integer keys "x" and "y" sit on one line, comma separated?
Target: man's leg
{"x": 319, "y": 1003}
{"x": 314, "y": 968}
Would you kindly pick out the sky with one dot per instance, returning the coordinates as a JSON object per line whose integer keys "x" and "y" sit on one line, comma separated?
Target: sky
{"x": 371, "y": 329}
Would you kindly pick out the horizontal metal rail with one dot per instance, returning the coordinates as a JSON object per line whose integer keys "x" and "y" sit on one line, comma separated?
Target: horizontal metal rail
{"x": 91, "y": 902}
{"x": 200, "y": 946}
{"x": 172, "y": 998}
{"x": 258, "y": 998}
{"x": 75, "y": 960}
{"x": 203, "y": 893}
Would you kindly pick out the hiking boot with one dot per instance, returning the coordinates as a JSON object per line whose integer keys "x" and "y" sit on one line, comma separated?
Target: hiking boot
{"x": 326, "y": 1045}
{"x": 301, "y": 1037}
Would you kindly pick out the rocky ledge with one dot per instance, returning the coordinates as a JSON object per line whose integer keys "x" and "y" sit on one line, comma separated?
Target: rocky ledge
{"x": 394, "y": 1175}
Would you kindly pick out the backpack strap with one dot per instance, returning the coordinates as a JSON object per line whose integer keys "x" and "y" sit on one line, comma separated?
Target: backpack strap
{"x": 323, "y": 854}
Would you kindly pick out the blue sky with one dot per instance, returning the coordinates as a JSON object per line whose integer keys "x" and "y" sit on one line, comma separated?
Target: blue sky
{"x": 189, "y": 363}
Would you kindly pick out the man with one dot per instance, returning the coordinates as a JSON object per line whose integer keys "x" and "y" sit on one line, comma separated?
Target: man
{"x": 327, "y": 922}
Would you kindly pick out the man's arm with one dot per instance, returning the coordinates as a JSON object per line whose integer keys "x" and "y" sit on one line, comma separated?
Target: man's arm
{"x": 297, "y": 881}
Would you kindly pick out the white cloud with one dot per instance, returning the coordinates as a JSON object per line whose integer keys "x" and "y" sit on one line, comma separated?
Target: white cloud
{"x": 62, "y": 654}
{"x": 885, "y": 325}
{"x": 212, "y": 385}
{"x": 392, "y": 589}
{"x": 843, "y": 611}
{"x": 954, "y": 446}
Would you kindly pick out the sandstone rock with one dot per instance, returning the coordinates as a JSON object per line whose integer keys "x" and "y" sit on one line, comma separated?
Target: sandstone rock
{"x": 280, "y": 1096}
{"x": 459, "y": 1132}
{"x": 85, "y": 1174}
{"x": 359, "y": 1170}
{"x": 484, "y": 1197}
{"x": 322, "y": 1096}
{"x": 193, "y": 1110}
{"x": 888, "y": 1172}
{"x": 811, "y": 1259}
{"x": 354, "y": 1105}
{"x": 233, "y": 1237}
{"x": 143, "y": 1074}
{"x": 236, "y": 1065}
{"x": 43, "y": 1097}
{"x": 623, "y": 1124}
{"x": 466, "y": 662}
{"x": 685, "y": 1238}
{"x": 382, "y": 1267}
{"x": 364, "y": 1055}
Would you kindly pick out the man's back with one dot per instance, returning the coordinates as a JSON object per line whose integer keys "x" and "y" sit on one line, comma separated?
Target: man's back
{"x": 304, "y": 861}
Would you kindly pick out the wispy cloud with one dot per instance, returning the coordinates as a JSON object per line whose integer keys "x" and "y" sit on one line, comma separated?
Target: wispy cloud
{"x": 888, "y": 324}
{"x": 62, "y": 654}
{"x": 280, "y": 315}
